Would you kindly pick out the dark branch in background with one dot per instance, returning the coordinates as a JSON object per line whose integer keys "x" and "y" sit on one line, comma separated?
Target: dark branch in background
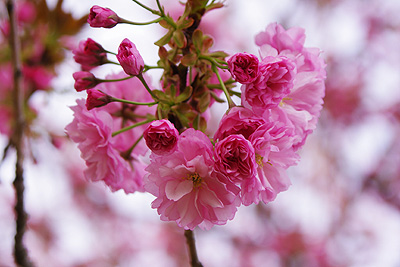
{"x": 194, "y": 260}
{"x": 20, "y": 252}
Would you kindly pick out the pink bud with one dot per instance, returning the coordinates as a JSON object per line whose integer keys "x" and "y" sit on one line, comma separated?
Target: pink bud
{"x": 84, "y": 80}
{"x": 96, "y": 99}
{"x": 102, "y": 17}
{"x": 161, "y": 137}
{"x": 244, "y": 67}
{"x": 90, "y": 54}
{"x": 129, "y": 58}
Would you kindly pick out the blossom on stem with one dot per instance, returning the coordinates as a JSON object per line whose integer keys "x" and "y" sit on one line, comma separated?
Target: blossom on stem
{"x": 96, "y": 98}
{"x": 130, "y": 58}
{"x": 186, "y": 187}
{"x": 90, "y": 54}
{"x": 244, "y": 67}
{"x": 100, "y": 17}
{"x": 84, "y": 80}
{"x": 161, "y": 137}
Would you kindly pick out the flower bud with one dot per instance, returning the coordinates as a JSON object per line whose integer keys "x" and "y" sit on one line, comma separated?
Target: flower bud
{"x": 161, "y": 137}
{"x": 102, "y": 17}
{"x": 96, "y": 99}
{"x": 129, "y": 58}
{"x": 90, "y": 54}
{"x": 84, "y": 80}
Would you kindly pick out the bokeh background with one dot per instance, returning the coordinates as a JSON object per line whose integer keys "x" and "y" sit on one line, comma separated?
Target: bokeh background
{"x": 343, "y": 208}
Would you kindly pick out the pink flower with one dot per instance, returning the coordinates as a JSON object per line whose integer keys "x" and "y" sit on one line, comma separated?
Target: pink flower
{"x": 161, "y": 137}
{"x": 187, "y": 189}
{"x": 90, "y": 54}
{"x": 129, "y": 58}
{"x": 92, "y": 131}
{"x": 235, "y": 157}
{"x": 84, "y": 80}
{"x": 96, "y": 99}
{"x": 102, "y": 17}
{"x": 280, "y": 39}
{"x": 244, "y": 67}
{"x": 273, "y": 84}
{"x": 238, "y": 120}
{"x": 301, "y": 107}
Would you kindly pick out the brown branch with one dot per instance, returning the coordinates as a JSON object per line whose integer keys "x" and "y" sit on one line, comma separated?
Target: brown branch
{"x": 20, "y": 252}
{"x": 194, "y": 260}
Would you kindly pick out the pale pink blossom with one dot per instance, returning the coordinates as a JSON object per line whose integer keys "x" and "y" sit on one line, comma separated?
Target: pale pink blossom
{"x": 244, "y": 67}
{"x": 274, "y": 82}
{"x": 92, "y": 131}
{"x": 187, "y": 189}
{"x": 161, "y": 137}
{"x": 130, "y": 58}
{"x": 301, "y": 107}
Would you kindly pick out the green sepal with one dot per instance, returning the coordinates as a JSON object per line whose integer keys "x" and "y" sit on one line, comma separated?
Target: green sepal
{"x": 165, "y": 39}
{"x": 189, "y": 59}
{"x": 216, "y": 98}
{"x": 185, "y": 95}
{"x": 179, "y": 38}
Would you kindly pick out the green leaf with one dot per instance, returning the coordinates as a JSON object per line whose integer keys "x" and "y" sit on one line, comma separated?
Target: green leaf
{"x": 185, "y": 95}
{"x": 216, "y": 98}
{"x": 189, "y": 59}
{"x": 179, "y": 38}
{"x": 185, "y": 24}
{"x": 165, "y": 39}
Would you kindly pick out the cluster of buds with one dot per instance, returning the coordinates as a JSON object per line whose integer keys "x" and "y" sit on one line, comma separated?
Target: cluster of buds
{"x": 199, "y": 178}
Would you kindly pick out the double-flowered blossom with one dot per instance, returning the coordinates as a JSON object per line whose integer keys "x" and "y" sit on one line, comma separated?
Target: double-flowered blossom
{"x": 187, "y": 188}
{"x": 100, "y": 17}
{"x": 161, "y": 137}
{"x": 116, "y": 160}
{"x": 129, "y": 58}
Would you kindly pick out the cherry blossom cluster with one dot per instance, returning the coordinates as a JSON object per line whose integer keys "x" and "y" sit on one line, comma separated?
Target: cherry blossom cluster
{"x": 137, "y": 138}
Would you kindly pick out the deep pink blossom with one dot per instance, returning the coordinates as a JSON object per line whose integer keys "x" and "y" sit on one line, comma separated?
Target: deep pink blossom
{"x": 235, "y": 157}
{"x": 244, "y": 67}
{"x": 92, "y": 131}
{"x": 84, "y": 80}
{"x": 130, "y": 58}
{"x": 102, "y": 17}
{"x": 96, "y": 98}
{"x": 238, "y": 120}
{"x": 187, "y": 189}
{"x": 89, "y": 54}
{"x": 274, "y": 82}
{"x": 161, "y": 137}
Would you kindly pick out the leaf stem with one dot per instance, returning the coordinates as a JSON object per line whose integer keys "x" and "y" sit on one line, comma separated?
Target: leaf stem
{"x": 226, "y": 92}
{"x": 131, "y": 127}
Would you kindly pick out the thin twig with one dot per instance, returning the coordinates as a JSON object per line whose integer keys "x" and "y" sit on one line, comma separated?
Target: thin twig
{"x": 194, "y": 260}
{"x": 20, "y": 252}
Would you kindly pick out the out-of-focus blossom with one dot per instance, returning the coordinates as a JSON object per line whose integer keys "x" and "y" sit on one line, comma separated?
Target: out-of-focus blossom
{"x": 100, "y": 17}
{"x": 187, "y": 189}
{"x": 161, "y": 137}
{"x": 244, "y": 67}
{"x": 89, "y": 54}
{"x": 130, "y": 58}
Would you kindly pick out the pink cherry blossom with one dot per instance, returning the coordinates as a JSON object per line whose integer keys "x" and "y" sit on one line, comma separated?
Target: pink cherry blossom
{"x": 102, "y": 17}
{"x": 235, "y": 157}
{"x": 187, "y": 189}
{"x": 92, "y": 131}
{"x": 238, "y": 120}
{"x": 96, "y": 99}
{"x": 89, "y": 54}
{"x": 130, "y": 58}
{"x": 244, "y": 67}
{"x": 274, "y": 82}
{"x": 161, "y": 137}
{"x": 84, "y": 80}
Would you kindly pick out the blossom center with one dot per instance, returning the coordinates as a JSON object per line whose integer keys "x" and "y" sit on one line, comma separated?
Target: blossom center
{"x": 196, "y": 178}
{"x": 259, "y": 160}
